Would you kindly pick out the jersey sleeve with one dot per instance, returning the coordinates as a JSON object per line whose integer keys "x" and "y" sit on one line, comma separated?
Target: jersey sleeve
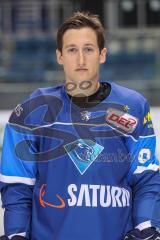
{"x": 18, "y": 173}
{"x": 144, "y": 177}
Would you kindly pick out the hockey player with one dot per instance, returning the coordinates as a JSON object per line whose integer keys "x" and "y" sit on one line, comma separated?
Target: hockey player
{"x": 78, "y": 160}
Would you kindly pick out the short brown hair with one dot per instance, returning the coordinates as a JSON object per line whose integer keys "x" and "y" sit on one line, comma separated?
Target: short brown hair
{"x": 81, "y": 20}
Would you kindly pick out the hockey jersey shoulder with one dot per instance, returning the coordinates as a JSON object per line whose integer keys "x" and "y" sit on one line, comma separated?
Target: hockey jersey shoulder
{"x": 134, "y": 105}
{"x": 34, "y": 110}
{"x": 128, "y": 96}
{"x": 54, "y": 91}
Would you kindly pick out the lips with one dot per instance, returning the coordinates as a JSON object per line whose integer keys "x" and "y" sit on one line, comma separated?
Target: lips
{"x": 81, "y": 69}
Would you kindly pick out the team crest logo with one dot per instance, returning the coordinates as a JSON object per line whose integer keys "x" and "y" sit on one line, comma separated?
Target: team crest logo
{"x": 85, "y": 115}
{"x": 83, "y": 152}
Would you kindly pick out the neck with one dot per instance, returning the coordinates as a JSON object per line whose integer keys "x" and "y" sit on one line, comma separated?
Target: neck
{"x": 82, "y": 90}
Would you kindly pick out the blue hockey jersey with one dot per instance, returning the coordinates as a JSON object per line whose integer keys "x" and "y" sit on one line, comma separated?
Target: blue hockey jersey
{"x": 70, "y": 173}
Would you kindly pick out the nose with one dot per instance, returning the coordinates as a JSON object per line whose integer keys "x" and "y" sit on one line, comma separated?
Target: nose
{"x": 81, "y": 58}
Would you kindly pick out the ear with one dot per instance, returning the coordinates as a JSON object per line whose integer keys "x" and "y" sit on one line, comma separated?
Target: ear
{"x": 59, "y": 57}
{"x": 103, "y": 55}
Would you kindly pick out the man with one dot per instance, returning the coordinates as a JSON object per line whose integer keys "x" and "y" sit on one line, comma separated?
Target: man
{"x": 78, "y": 160}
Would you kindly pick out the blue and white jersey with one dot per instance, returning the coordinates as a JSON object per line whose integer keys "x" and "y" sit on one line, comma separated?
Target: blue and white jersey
{"x": 73, "y": 173}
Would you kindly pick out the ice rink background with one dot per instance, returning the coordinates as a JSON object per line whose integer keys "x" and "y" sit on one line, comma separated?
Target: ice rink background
{"x": 156, "y": 121}
{"x": 28, "y": 42}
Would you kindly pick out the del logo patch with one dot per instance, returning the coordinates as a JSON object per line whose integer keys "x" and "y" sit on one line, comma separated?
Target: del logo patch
{"x": 121, "y": 120}
{"x": 83, "y": 152}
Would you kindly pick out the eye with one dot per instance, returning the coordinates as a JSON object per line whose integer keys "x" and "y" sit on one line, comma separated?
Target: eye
{"x": 72, "y": 50}
{"x": 88, "y": 49}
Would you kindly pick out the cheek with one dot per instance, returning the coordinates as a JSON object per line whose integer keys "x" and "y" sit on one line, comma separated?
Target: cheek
{"x": 68, "y": 66}
{"x": 68, "y": 62}
{"x": 94, "y": 63}
{"x": 94, "y": 59}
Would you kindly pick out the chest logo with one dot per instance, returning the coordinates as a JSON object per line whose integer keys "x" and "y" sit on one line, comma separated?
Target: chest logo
{"x": 85, "y": 116}
{"x": 121, "y": 120}
{"x": 83, "y": 153}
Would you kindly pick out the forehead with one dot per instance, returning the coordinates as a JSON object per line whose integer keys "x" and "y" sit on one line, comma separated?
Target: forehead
{"x": 80, "y": 36}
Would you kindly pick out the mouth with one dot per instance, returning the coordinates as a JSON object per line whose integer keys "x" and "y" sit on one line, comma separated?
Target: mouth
{"x": 81, "y": 69}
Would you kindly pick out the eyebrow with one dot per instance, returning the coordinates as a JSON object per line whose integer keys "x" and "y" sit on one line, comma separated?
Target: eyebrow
{"x": 74, "y": 45}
